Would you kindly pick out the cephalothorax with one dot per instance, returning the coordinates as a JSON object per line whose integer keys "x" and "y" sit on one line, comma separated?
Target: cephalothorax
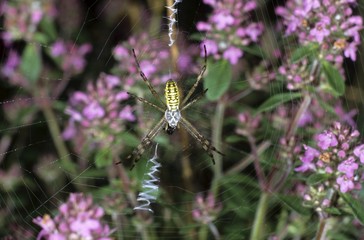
{"x": 172, "y": 119}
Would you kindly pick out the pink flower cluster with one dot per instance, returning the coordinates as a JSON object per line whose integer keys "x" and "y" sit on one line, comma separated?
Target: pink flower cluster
{"x": 316, "y": 117}
{"x": 153, "y": 55}
{"x": 330, "y": 23}
{"x": 206, "y": 210}
{"x": 21, "y": 18}
{"x": 99, "y": 111}
{"x": 71, "y": 57}
{"x": 338, "y": 155}
{"x": 297, "y": 74}
{"x": 229, "y": 28}
{"x": 78, "y": 218}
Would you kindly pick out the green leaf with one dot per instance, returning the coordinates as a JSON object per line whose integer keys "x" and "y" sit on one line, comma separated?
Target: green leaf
{"x": 254, "y": 50}
{"x": 294, "y": 203}
{"x": 333, "y": 211}
{"x": 304, "y": 51}
{"x": 218, "y": 79}
{"x": 103, "y": 158}
{"x": 314, "y": 179}
{"x": 196, "y": 36}
{"x": 277, "y": 100}
{"x": 356, "y": 206}
{"x": 334, "y": 78}
{"x": 48, "y": 28}
{"x": 233, "y": 139}
{"x": 326, "y": 106}
{"x": 31, "y": 63}
{"x": 129, "y": 139}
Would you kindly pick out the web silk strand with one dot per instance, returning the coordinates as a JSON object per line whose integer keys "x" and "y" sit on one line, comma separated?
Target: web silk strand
{"x": 150, "y": 185}
{"x": 172, "y": 20}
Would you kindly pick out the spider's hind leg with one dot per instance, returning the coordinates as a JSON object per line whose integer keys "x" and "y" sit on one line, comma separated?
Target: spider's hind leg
{"x": 146, "y": 141}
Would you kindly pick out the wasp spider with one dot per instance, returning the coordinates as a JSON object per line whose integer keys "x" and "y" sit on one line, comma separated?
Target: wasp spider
{"x": 172, "y": 118}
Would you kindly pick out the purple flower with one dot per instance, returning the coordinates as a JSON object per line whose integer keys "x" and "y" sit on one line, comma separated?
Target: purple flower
{"x": 307, "y": 158}
{"x": 350, "y": 51}
{"x": 359, "y": 152}
{"x": 222, "y": 20}
{"x": 72, "y": 57}
{"x": 21, "y": 19}
{"x": 99, "y": 113}
{"x": 93, "y": 110}
{"x": 319, "y": 32}
{"x": 78, "y": 218}
{"x": 127, "y": 114}
{"x": 229, "y": 28}
{"x": 335, "y": 28}
{"x": 348, "y": 167}
{"x": 206, "y": 210}
{"x": 11, "y": 64}
{"x": 58, "y": 48}
{"x": 232, "y": 54}
{"x": 153, "y": 55}
{"x": 326, "y": 140}
{"x": 346, "y": 184}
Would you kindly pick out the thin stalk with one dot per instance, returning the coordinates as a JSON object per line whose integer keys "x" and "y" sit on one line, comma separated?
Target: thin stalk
{"x": 242, "y": 164}
{"x": 214, "y": 231}
{"x": 216, "y": 140}
{"x": 63, "y": 153}
{"x": 260, "y": 213}
{"x": 322, "y": 229}
{"x": 258, "y": 168}
{"x": 292, "y": 128}
{"x": 203, "y": 232}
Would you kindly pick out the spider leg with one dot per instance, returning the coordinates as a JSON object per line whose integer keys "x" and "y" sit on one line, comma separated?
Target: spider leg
{"x": 194, "y": 100}
{"x": 146, "y": 141}
{"x": 145, "y": 101}
{"x": 145, "y": 79}
{"x": 206, "y": 145}
{"x": 193, "y": 88}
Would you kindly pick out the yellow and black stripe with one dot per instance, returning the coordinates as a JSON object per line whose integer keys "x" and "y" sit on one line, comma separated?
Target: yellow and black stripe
{"x": 172, "y": 95}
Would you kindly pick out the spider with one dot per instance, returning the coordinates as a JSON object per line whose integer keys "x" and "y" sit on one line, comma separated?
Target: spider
{"x": 172, "y": 118}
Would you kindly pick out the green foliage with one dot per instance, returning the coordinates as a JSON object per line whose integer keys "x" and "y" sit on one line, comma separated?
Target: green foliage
{"x": 294, "y": 203}
{"x": 278, "y": 100}
{"x": 317, "y": 178}
{"x": 306, "y": 51}
{"x": 217, "y": 79}
{"x": 356, "y": 206}
{"x": 31, "y": 63}
{"x": 335, "y": 80}
{"x": 103, "y": 158}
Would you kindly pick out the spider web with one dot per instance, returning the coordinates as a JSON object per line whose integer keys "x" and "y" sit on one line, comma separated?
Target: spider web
{"x": 35, "y": 179}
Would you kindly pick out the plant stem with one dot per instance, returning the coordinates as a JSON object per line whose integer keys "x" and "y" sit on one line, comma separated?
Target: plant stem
{"x": 322, "y": 229}
{"x": 258, "y": 225}
{"x": 64, "y": 155}
{"x": 203, "y": 232}
{"x": 245, "y": 162}
{"x": 216, "y": 140}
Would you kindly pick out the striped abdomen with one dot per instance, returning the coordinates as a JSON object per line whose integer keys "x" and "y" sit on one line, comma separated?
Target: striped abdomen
{"x": 172, "y": 95}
